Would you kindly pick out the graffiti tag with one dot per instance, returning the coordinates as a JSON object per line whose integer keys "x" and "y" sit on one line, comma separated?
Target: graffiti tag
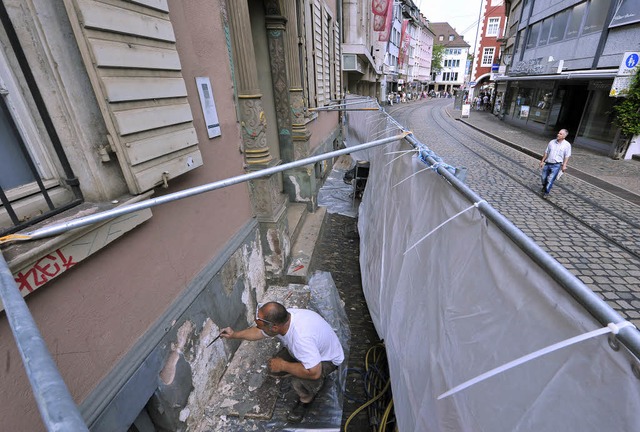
{"x": 43, "y": 271}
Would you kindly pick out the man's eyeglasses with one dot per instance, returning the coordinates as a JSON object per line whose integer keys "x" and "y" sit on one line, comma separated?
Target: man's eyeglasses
{"x": 258, "y": 306}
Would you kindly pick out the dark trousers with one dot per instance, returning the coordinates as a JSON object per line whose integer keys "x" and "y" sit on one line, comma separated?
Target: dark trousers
{"x": 307, "y": 389}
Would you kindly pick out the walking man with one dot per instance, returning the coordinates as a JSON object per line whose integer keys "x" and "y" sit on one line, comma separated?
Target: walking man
{"x": 312, "y": 352}
{"x": 555, "y": 159}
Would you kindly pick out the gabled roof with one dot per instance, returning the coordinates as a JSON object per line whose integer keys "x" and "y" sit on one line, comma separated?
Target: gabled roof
{"x": 444, "y": 29}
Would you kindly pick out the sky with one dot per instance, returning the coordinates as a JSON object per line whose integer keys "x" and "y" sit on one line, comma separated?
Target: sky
{"x": 462, "y": 15}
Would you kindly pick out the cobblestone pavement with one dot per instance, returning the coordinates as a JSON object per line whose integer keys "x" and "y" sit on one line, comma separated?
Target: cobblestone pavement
{"x": 592, "y": 232}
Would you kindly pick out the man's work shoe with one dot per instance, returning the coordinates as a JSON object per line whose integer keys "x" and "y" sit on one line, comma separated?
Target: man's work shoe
{"x": 298, "y": 412}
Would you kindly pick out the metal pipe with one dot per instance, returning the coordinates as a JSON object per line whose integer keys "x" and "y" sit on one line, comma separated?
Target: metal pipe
{"x": 57, "y": 408}
{"x": 99, "y": 217}
{"x": 337, "y": 108}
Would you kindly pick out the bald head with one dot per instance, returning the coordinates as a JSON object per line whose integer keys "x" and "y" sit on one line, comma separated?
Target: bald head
{"x": 275, "y": 312}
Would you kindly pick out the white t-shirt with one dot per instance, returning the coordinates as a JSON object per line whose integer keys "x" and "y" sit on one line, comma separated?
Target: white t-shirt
{"x": 311, "y": 339}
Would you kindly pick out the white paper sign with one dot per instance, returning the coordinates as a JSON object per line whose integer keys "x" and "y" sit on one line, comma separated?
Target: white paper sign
{"x": 208, "y": 106}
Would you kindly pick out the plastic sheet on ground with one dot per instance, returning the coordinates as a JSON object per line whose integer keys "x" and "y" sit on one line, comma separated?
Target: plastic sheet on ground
{"x": 466, "y": 300}
{"x": 336, "y": 195}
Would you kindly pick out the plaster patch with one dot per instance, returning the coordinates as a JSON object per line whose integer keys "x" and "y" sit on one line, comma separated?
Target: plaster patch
{"x": 296, "y": 185}
{"x": 168, "y": 372}
{"x": 255, "y": 275}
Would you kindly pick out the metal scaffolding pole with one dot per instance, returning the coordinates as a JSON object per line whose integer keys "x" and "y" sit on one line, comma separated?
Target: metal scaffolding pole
{"x": 57, "y": 408}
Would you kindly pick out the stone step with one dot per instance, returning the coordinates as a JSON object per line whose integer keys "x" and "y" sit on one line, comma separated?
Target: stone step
{"x": 304, "y": 246}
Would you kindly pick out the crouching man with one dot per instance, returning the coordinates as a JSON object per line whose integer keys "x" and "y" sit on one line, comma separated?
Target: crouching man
{"x": 312, "y": 352}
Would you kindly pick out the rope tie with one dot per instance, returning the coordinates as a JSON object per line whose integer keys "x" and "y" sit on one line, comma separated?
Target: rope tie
{"x": 610, "y": 328}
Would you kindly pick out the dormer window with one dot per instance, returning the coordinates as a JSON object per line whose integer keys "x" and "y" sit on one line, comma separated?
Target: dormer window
{"x": 441, "y": 37}
{"x": 451, "y": 37}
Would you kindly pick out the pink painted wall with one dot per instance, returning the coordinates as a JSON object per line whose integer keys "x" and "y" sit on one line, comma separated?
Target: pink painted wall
{"x": 321, "y": 128}
{"x": 92, "y": 315}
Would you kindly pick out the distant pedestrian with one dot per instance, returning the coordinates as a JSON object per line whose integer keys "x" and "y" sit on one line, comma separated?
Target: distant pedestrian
{"x": 555, "y": 158}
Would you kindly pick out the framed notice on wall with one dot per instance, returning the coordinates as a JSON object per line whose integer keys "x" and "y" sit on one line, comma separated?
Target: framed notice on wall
{"x": 208, "y": 106}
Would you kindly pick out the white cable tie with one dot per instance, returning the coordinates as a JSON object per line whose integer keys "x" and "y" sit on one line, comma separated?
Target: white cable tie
{"x": 414, "y": 174}
{"x": 615, "y": 328}
{"x": 439, "y": 226}
{"x": 610, "y": 328}
{"x": 477, "y": 204}
{"x": 400, "y": 151}
{"x": 398, "y": 157}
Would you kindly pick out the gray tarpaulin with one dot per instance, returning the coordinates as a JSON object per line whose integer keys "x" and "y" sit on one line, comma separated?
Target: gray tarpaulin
{"x": 466, "y": 300}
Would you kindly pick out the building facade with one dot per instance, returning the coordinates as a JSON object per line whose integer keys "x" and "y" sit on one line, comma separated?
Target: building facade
{"x": 111, "y": 103}
{"x": 423, "y": 53}
{"x": 456, "y": 51}
{"x": 360, "y": 61}
{"x": 563, "y": 59}
{"x": 486, "y": 62}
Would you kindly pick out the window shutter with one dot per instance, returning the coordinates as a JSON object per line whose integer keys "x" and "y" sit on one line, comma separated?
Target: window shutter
{"x": 326, "y": 56}
{"x": 336, "y": 62}
{"x": 130, "y": 54}
{"x": 318, "y": 55}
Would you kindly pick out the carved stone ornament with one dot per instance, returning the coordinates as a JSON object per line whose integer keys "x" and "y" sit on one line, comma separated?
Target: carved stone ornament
{"x": 254, "y": 137}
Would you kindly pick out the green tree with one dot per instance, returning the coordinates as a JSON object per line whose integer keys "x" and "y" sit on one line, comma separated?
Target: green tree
{"x": 437, "y": 58}
{"x": 628, "y": 111}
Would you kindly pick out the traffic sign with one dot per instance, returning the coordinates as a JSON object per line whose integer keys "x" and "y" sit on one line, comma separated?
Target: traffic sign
{"x": 629, "y": 63}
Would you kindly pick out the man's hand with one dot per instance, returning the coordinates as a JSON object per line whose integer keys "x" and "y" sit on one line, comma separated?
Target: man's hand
{"x": 564, "y": 168}
{"x": 277, "y": 364}
{"x": 541, "y": 164}
{"x": 227, "y": 333}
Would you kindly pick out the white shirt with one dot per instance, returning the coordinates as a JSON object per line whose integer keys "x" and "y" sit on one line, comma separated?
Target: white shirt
{"x": 311, "y": 340}
{"x": 556, "y": 152}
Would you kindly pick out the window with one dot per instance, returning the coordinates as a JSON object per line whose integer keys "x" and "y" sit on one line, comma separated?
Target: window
{"x": 559, "y": 26}
{"x": 598, "y": 11}
{"x": 450, "y": 76}
{"x": 534, "y": 32}
{"x": 324, "y": 57}
{"x": 575, "y": 20}
{"x": 544, "y": 32}
{"x": 28, "y": 177}
{"x": 487, "y": 56}
{"x": 451, "y": 38}
{"x": 441, "y": 37}
{"x": 493, "y": 27}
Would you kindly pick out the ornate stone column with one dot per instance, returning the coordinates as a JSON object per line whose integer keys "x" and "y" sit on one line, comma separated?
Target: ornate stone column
{"x": 304, "y": 177}
{"x": 268, "y": 203}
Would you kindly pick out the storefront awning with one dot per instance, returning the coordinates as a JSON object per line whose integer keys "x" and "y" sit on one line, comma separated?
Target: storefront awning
{"x": 590, "y": 74}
